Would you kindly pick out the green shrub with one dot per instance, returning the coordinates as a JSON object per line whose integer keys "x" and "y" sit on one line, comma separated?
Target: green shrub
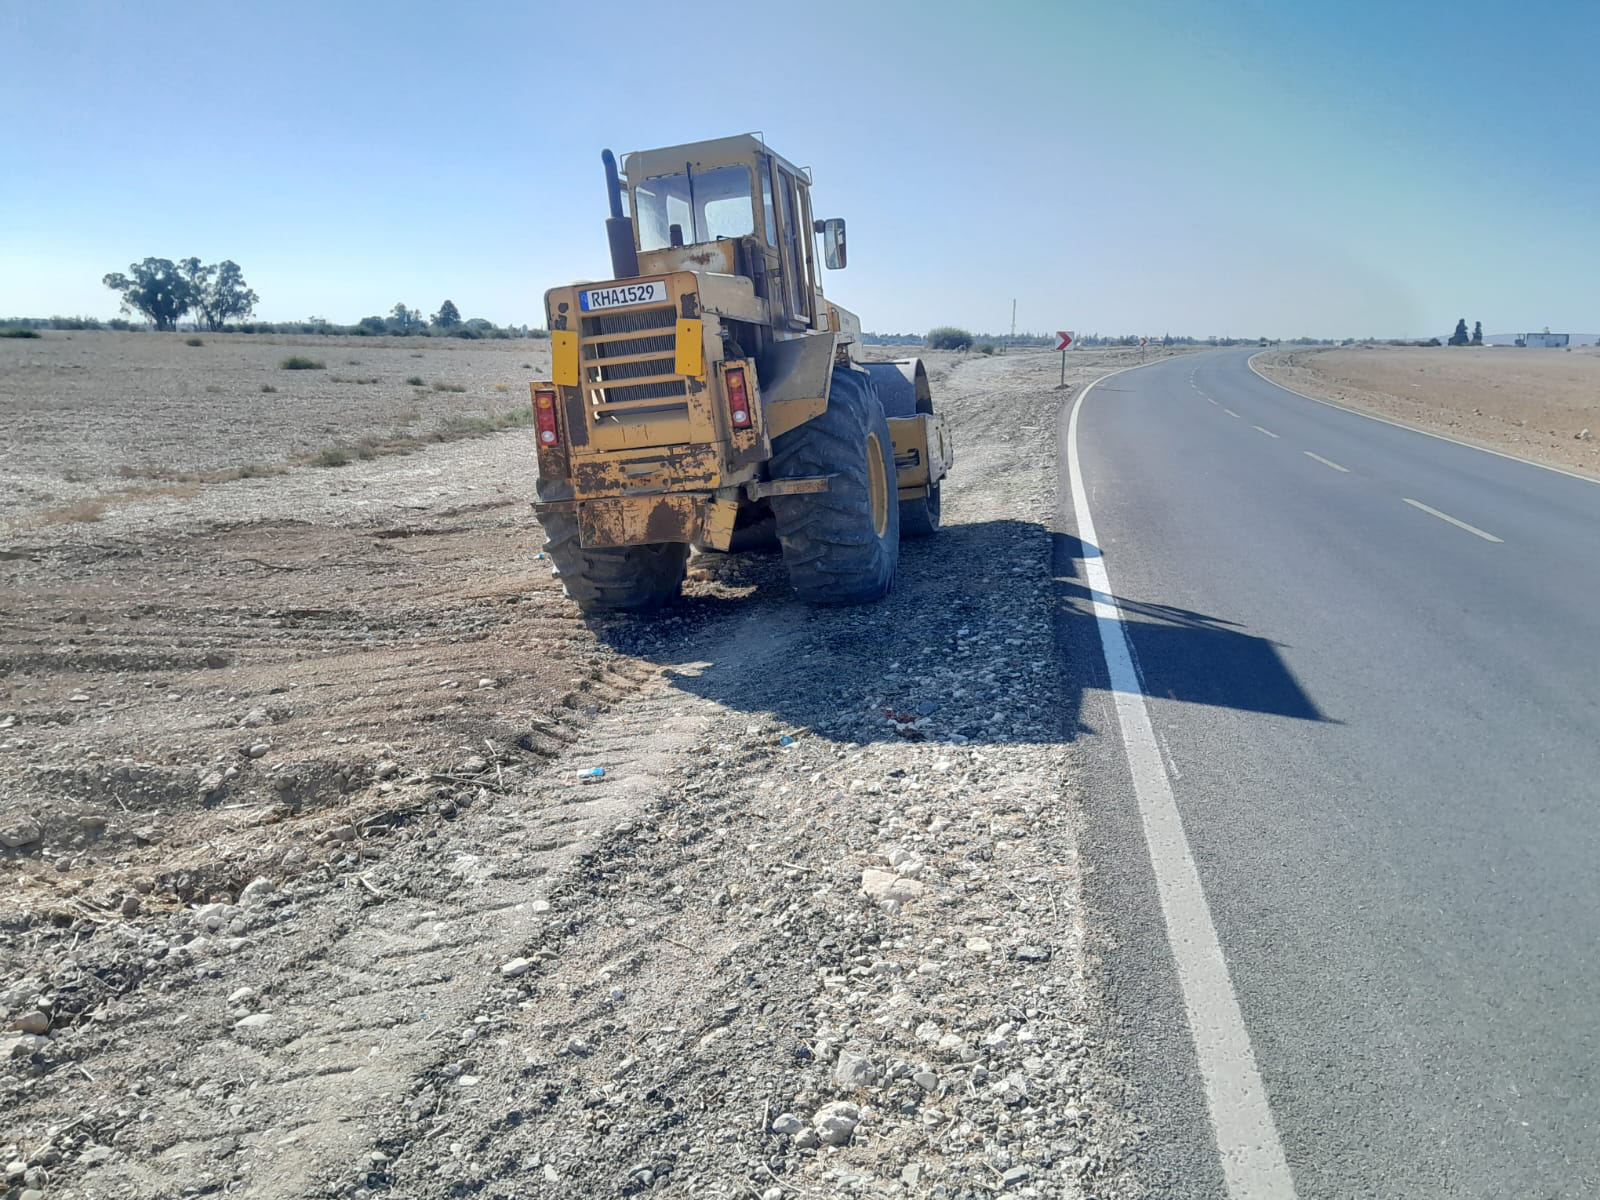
{"x": 296, "y": 362}
{"x": 440, "y": 386}
{"x": 19, "y": 333}
{"x": 194, "y": 341}
{"x": 985, "y": 347}
{"x": 415, "y": 381}
{"x": 333, "y": 456}
{"x": 267, "y": 387}
{"x": 948, "y": 337}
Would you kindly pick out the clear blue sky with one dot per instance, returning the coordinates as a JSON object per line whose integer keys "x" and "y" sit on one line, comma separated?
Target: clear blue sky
{"x": 1199, "y": 166}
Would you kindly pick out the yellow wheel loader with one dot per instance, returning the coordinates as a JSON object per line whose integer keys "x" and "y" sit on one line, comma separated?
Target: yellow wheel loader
{"x": 709, "y": 395}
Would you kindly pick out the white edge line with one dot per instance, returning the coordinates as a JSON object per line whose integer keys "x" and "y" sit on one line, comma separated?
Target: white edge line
{"x": 1443, "y": 437}
{"x": 1443, "y": 516}
{"x": 1327, "y": 462}
{"x": 1253, "y": 1164}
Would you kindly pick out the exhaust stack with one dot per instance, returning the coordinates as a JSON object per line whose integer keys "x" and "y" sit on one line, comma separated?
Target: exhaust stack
{"x": 619, "y": 229}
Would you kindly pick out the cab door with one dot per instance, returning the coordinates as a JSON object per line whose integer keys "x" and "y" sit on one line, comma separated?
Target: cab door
{"x": 794, "y": 248}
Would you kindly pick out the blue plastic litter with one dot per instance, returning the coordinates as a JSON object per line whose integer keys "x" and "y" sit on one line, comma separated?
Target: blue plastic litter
{"x": 593, "y": 773}
{"x": 786, "y": 740}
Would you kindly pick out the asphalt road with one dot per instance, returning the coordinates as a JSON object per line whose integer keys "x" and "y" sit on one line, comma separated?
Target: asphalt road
{"x": 1382, "y": 732}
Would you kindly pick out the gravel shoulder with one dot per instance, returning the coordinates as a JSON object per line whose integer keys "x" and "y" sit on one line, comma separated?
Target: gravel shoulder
{"x": 817, "y": 929}
{"x": 1533, "y": 403}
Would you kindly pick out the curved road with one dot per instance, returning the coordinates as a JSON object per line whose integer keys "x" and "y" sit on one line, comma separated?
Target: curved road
{"x": 1371, "y": 660}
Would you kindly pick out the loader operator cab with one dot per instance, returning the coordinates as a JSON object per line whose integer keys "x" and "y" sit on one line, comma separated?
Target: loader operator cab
{"x": 738, "y": 209}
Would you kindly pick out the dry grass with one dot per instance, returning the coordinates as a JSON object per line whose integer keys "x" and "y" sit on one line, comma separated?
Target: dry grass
{"x": 92, "y": 508}
{"x": 440, "y": 385}
{"x": 462, "y": 425}
{"x": 224, "y": 475}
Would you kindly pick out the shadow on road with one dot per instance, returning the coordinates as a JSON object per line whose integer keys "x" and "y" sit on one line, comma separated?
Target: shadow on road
{"x": 1179, "y": 654}
{"x": 987, "y": 638}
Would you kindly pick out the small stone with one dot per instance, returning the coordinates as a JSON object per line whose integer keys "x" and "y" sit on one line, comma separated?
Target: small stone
{"x": 1015, "y": 1177}
{"x": 258, "y": 750}
{"x": 515, "y": 967}
{"x": 1033, "y": 954}
{"x": 78, "y": 698}
{"x": 911, "y": 1175}
{"x": 386, "y": 769}
{"x": 255, "y": 719}
{"x": 578, "y": 1048}
{"x": 486, "y": 682}
{"x": 20, "y": 831}
{"x": 836, "y": 1123}
{"x": 886, "y": 886}
{"x": 807, "y": 1139}
{"x": 240, "y": 995}
{"x": 94, "y": 1156}
{"x": 256, "y": 891}
{"x": 253, "y": 1021}
{"x": 130, "y": 906}
{"x": 853, "y": 1071}
{"x": 343, "y": 833}
{"x": 787, "y": 1124}
{"x": 24, "y": 1045}
{"x": 476, "y": 764}
{"x": 32, "y": 1022}
{"x": 92, "y": 823}
{"x": 926, "y": 1080}
{"x": 540, "y": 906}
{"x": 979, "y": 945}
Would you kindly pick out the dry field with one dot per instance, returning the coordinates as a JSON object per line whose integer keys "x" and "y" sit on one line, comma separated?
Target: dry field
{"x": 1534, "y": 403}
{"x": 305, "y": 886}
{"x": 86, "y": 415}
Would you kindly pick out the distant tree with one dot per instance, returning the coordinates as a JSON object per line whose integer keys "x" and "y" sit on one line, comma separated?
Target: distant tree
{"x": 1477, "y": 333}
{"x": 1460, "y": 337}
{"x": 948, "y": 337}
{"x": 405, "y": 320}
{"x": 220, "y": 292}
{"x": 448, "y": 316}
{"x": 157, "y": 289}
{"x": 372, "y": 325}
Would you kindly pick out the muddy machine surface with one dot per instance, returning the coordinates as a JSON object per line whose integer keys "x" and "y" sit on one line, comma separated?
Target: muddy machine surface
{"x": 709, "y": 394}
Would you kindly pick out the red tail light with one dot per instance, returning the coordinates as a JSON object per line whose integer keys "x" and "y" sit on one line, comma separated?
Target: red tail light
{"x": 544, "y": 419}
{"x": 738, "y": 397}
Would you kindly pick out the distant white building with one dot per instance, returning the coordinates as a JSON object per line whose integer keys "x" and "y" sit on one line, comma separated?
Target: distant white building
{"x": 1546, "y": 339}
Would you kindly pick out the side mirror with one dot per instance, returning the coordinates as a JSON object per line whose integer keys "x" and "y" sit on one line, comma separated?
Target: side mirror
{"x": 833, "y": 247}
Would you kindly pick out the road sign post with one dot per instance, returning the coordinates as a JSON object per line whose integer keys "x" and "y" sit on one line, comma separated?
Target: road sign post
{"x": 1066, "y": 340}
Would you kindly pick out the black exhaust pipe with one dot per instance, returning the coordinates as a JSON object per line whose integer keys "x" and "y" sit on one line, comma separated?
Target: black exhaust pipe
{"x": 619, "y": 230}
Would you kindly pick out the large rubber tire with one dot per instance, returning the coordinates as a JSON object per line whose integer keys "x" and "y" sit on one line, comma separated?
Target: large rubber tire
{"x": 614, "y": 579}
{"x": 840, "y": 546}
{"x": 920, "y": 517}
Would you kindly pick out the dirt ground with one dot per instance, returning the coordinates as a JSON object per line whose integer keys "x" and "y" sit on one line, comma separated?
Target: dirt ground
{"x": 308, "y": 886}
{"x": 1535, "y": 403}
{"x": 84, "y": 414}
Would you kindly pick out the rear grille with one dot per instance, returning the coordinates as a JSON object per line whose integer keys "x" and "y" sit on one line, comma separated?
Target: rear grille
{"x": 610, "y": 356}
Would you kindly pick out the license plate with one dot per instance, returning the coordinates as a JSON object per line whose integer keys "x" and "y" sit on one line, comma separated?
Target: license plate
{"x": 622, "y": 295}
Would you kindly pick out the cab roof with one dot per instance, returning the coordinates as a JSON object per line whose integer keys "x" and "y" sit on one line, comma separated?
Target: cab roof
{"x": 719, "y": 152}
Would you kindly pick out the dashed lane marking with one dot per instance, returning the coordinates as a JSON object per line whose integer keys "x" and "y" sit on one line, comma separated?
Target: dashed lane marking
{"x": 1488, "y": 537}
{"x": 1327, "y": 462}
{"x": 1268, "y": 432}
